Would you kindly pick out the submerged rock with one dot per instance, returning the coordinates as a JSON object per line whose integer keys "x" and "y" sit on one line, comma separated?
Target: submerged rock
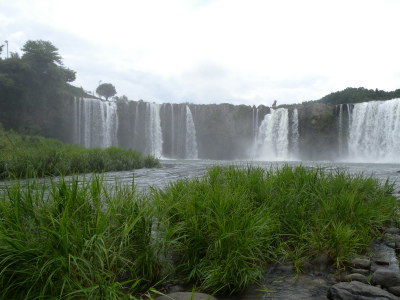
{"x": 358, "y": 291}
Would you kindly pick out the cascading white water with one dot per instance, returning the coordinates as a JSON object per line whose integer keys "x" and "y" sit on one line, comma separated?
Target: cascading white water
{"x": 374, "y": 133}
{"x": 191, "y": 144}
{"x": 172, "y": 130}
{"x": 255, "y": 125}
{"x": 340, "y": 130}
{"x": 77, "y": 122}
{"x": 295, "y": 133}
{"x": 96, "y": 123}
{"x": 153, "y": 130}
{"x": 273, "y": 135}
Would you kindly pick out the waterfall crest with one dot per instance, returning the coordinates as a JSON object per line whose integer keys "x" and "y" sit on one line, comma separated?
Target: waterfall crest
{"x": 295, "y": 133}
{"x": 95, "y": 123}
{"x": 153, "y": 130}
{"x": 374, "y": 133}
{"x": 273, "y": 135}
{"x": 191, "y": 144}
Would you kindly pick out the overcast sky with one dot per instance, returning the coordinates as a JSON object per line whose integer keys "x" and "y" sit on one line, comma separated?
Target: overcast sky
{"x": 216, "y": 51}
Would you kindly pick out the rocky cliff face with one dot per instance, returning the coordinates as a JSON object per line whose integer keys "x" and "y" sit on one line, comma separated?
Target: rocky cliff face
{"x": 226, "y": 131}
{"x": 215, "y": 131}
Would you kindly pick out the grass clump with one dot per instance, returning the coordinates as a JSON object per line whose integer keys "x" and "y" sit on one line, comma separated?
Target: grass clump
{"x": 21, "y": 155}
{"x": 233, "y": 220}
{"x": 76, "y": 240}
{"x": 87, "y": 240}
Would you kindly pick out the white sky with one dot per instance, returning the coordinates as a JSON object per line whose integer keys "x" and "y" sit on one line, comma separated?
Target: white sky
{"x": 216, "y": 51}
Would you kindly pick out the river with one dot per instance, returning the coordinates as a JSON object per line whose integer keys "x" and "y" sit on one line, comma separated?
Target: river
{"x": 175, "y": 169}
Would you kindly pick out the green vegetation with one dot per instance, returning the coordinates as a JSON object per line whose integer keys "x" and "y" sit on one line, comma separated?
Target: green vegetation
{"x": 88, "y": 240}
{"x": 106, "y": 90}
{"x": 32, "y": 88}
{"x": 356, "y": 95}
{"x": 76, "y": 240}
{"x": 34, "y": 155}
{"x": 229, "y": 223}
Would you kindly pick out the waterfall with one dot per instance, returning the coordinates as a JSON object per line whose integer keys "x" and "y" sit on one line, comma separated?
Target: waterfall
{"x": 172, "y": 131}
{"x": 96, "y": 123}
{"x": 255, "y": 124}
{"x": 295, "y": 133}
{"x": 273, "y": 135}
{"x": 153, "y": 130}
{"x": 340, "y": 130}
{"x": 374, "y": 133}
{"x": 191, "y": 144}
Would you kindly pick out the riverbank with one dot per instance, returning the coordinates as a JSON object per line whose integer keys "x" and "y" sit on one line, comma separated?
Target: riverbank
{"x": 84, "y": 238}
{"x": 26, "y": 156}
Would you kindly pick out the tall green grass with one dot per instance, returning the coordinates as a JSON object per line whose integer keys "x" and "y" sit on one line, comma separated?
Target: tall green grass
{"x": 88, "y": 240}
{"x": 233, "y": 220}
{"x": 76, "y": 240}
{"x": 21, "y": 155}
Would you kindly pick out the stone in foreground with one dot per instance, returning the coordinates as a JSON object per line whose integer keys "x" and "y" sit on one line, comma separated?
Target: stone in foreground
{"x": 358, "y": 291}
{"x": 385, "y": 278}
{"x": 187, "y": 296}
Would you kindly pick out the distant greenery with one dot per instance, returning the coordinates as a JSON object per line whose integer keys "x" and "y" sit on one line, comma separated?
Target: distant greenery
{"x": 22, "y": 155}
{"x": 356, "y": 95}
{"x": 31, "y": 87}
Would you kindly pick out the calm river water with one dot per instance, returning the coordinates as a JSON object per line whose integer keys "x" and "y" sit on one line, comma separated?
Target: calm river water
{"x": 175, "y": 169}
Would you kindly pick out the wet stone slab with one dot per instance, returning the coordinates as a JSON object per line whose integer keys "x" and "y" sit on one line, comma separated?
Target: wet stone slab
{"x": 283, "y": 284}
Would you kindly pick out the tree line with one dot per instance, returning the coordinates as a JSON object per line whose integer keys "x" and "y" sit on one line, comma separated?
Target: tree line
{"x": 33, "y": 87}
{"x": 356, "y": 95}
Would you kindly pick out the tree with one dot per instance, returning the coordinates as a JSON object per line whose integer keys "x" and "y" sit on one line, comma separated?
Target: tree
{"x": 106, "y": 90}
{"x": 44, "y": 59}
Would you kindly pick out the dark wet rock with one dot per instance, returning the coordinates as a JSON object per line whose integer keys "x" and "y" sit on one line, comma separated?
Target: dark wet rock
{"x": 395, "y": 290}
{"x": 381, "y": 262}
{"x": 322, "y": 262}
{"x": 358, "y": 291}
{"x": 308, "y": 267}
{"x": 187, "y": 296}
{"x": 360, "y": 263}
{"x": 360, "y": 271}
{"x": 385, "y": 278}
{"x": 391, "y": 244}
{"x": 355, "y": 277}
{"x": 285, "y": 268}
{"x": 393, "y": 230}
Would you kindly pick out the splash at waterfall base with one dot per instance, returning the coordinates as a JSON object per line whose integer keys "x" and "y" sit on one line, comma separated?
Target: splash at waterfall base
{"x": 346, "y": 132}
